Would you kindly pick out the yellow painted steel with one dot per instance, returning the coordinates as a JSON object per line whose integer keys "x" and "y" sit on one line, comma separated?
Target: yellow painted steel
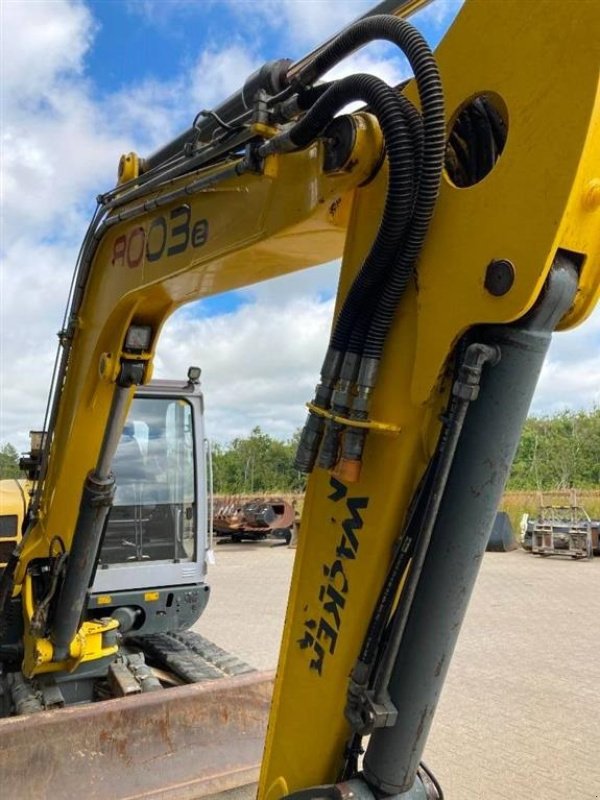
{"x": 538, "y": 61}
{"x": 250, "y": 228}
{"x": 87, "y": 645}
{"x": 129, "y": 168}
{"x": 104, "y": 600}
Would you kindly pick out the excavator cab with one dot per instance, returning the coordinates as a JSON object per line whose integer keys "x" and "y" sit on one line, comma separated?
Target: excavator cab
{"x": 151, "y": 569}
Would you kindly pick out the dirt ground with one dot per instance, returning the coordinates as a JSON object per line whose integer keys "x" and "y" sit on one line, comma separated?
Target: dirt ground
{"x": 520, "y": 713}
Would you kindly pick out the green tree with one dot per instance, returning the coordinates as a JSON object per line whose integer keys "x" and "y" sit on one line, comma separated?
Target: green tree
{"x": 9, "y": 462}
{"x": 255, "y": 465}
{"x": 559, "y": 452}
{"x": 555, "y": 452}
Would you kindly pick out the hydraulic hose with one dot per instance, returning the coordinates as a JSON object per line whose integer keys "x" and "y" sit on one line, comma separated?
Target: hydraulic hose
{"x": 366, "y": 315}
{"x": 391, "y": 112}
{"x": 421, "y": 59}
{"x": 424, "y": 66}
{"x": 430, "y": 92}
{"x": 364, "y": 304}
{"x": 415, "y": 126}
{"x": 429, "y": 86}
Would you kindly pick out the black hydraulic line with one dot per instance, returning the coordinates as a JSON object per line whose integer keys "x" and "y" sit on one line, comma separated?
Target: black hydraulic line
{"x": 430, "y": 91}
{"x": 358, "y": 308}
{"x": 421, "y": 59}
{"x": 363, "y": 669}
{"x": 466, "y": 389}
{"x": 300, "y": 101}
{"x": 403, "y": 553}
{"x": 370, "y": 333}
{"x": 390, "y": 111}
{"x": 407, "y": 539}
{"x": 386, "y": 104}
{"x": 271, "y": 77}
{"x": 429, "y": 86}
{"x": 415, "y": 125}
{"x": 402, "y": 8}
{"x": 424, "y": 66}
{"x": 413, "y": 543}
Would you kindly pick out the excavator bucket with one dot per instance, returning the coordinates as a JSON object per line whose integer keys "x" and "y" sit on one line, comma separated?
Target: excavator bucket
{"x": 501, "y": 539}
{"x": 181, "y": 743}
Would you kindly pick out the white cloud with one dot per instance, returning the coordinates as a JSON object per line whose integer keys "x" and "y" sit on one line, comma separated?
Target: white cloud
{"x": 219, "y": 73}
{"x": 388, "y": 67}
{"x": 42, "y": 42}
{"x": 571, "y": 375}
{"x": 33, "y": 291}
{"x": 45, "y": 111}
{"x": 61, "y": 146}
{"x": 247, "y": 380}
{"x": 309, "y": 22}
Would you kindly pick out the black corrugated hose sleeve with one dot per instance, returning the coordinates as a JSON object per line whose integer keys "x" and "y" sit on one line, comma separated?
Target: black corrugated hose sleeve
{"x": 421, "y": 59}
{"x": 362, "y": 324}
{"x": 383, "y": 27}
{"x": 432, "y": 104}
{"x": 385, "y": 103}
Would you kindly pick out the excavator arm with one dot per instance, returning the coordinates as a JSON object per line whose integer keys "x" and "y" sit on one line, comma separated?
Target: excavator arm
{"x": 465, "y": 207}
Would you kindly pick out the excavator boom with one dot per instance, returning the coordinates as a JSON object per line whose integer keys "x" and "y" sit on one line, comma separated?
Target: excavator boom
{"x": 465, "y": 208}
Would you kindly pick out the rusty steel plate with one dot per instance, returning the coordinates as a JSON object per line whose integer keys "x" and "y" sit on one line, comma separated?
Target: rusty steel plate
{"x": 181, "y": 744}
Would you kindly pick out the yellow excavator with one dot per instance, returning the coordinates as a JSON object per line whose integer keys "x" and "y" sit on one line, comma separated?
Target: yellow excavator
{"x": 466, "y": 207}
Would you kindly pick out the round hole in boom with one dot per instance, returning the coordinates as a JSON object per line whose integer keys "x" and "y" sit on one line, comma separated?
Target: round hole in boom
{"x": 477, "y": 138}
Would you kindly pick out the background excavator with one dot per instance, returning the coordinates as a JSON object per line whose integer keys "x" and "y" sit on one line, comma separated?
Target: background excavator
{"x": 465, "y": 206}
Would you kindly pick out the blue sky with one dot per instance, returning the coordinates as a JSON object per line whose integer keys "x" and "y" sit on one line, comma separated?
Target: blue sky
{"x": 149, "y": 41}
{"x": 87, "y": 80}
{"x": 138, "y": 40}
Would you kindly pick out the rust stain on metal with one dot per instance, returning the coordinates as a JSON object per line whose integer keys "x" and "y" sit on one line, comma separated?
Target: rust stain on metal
{"x": 188, "y": 741}
{"x": 253, "y": 518}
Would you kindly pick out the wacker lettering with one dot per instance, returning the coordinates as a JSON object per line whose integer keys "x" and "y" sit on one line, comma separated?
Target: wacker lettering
{"x": 321, "y": 634}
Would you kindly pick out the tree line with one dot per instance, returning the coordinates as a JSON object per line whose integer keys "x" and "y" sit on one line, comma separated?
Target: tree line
{"x": 257, "y": 464}
{"x": 558, "y": 452}
{"x": 555, "y": 452}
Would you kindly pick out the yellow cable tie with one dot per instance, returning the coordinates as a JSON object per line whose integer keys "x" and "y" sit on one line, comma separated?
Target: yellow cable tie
{"x": 366, "y": 424}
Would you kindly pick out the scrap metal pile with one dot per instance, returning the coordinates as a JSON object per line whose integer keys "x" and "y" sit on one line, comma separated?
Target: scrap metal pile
{"x": 255, "y": 519}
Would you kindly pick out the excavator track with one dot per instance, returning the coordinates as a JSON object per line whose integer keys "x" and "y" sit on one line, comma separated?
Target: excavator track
{"x": 190, "y": 656}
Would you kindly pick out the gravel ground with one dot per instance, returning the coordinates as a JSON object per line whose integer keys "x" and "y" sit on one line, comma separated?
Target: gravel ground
{"x": 520, "y": 715}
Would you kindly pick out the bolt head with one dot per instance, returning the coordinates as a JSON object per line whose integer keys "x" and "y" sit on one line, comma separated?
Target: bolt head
{"x": 499, "y": 277}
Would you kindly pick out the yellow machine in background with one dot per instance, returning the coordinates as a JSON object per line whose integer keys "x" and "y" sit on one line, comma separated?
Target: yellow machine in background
{"x": 14, "y": 497}
{"x": 466, "y": 210}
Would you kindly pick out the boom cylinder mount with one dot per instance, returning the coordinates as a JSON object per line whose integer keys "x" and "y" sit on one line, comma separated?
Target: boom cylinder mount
{"x": 476, "y": 480}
